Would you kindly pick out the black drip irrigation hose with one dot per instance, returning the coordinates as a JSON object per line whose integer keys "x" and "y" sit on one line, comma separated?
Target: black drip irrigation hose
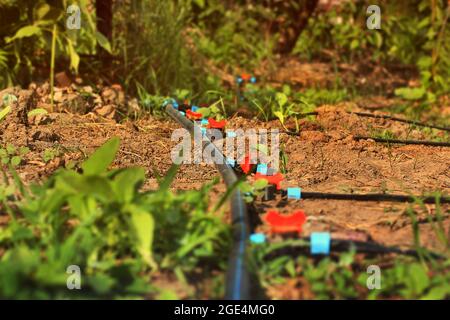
{"x": 370, "y": 197}
{"x": 416, "y": 123}
{"x": 238, "y": 276}
{"x": 396, "y": 141}
{"x": 383, "y": 116}
{"x": 344, "y": 245}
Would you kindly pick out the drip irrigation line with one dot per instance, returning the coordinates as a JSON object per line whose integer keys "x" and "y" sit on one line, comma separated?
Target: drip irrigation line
{"x": 382, "y": 116}
{"x": 397, "y": 141}
{"x": 416, "y": 123}
{"x": 344, "y": 245}
{"x": 238, "y": 276}
{"x": 370, "y": 197}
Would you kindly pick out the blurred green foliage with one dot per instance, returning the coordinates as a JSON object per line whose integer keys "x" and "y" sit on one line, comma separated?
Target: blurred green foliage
{"x": 101, "y": 222}
{"x": 412, "y": 33}
{"x": 180, "y": 44}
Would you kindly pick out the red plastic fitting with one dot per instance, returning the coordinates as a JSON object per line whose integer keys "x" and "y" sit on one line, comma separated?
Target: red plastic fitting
{"x": 285, "y": 223}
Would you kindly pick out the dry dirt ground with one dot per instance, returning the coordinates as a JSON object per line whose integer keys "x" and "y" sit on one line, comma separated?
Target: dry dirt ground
{"x": 323, "y": 157}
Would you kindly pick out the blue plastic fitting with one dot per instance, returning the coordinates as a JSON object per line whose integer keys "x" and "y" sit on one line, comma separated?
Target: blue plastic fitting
{"x": 231, "y": 162}
{"x": 320, "y": 243}
{"x": 262, "y": 168}
{"x": 294, "y": 193}
{"x": 258, "y": 238}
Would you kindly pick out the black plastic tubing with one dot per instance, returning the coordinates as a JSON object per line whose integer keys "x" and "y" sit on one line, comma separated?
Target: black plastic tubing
{"x": 237, "y": 285}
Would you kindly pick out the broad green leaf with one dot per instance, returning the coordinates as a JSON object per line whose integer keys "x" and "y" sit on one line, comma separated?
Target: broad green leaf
{"x": 37, "y": 111}
{"x": 214, "y": 108}
{"x": 410, "y": 93}
{"x": 200, "y": 3}
{"x": 281, "y": 98}
{"x": 24, "y": 32}
{"x": 204, "y": 111}
{"x": 425, "y": 62}
{"x": 41, "y": 10}
{"x": 260, "y": 184}
{"x": 99, "y": 161}
{"x": 354, "y": 44}
{"x": 74, "y": 184}
{"x": 103, "y": 41}
{"x": 279, "y": 115}
{"x": 438, "y": 293}
{"x": 24, "y": 150}
{"x": 126, "y": 183}
{"x": 143, "y": 225}
{"x": 11, "y": 149}
{"x": 8, "y": 99}
{"x": 101, "y": 283}
{"x": 15, "y": 161}
{"x": 417, "y": 278}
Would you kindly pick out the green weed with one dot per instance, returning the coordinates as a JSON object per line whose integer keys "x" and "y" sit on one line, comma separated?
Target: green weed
{"x": 98, "y": 219}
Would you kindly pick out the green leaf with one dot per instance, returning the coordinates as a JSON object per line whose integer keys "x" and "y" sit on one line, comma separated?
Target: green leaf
{"x": 200, "y": 3}
{"x": 425, "y": 62}
{"x": 167, "y": 181}
{"x": 143, "y": 225}
{"x": 99, "y": 161}
{"x": 101, "y": 283}
{"x": 438, "y": 293}
{"x": 103, "y": 41}
{"x": 417, "y": 278}
{"x": 279, "y": 115}
{"x": 37, "y": 111}
{"x": 281, "y": 98}
{"x": 4, "y": 112}
{"x": 260, "y": 184}
{"x": 205, "y": 112}
{"x": 8, "y": 99}
{"x": 23, "y": 150}
{"x": 72, "y": 183}
{"x": 11, "y": 149}
{"x": 378, "y": 39}
{"x": 15, "y": 161}
{"x": 410, "y": 93}
{"x": 74, "y": 57}
{"x": 41, "y": 10}
{"x": 126, "y": 183}
{"x": 24, "y": 32}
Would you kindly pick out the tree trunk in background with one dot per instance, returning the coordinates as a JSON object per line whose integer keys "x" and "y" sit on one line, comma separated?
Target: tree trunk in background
{"x": 292, "y": 18}
{"x": 103, "y": 10}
